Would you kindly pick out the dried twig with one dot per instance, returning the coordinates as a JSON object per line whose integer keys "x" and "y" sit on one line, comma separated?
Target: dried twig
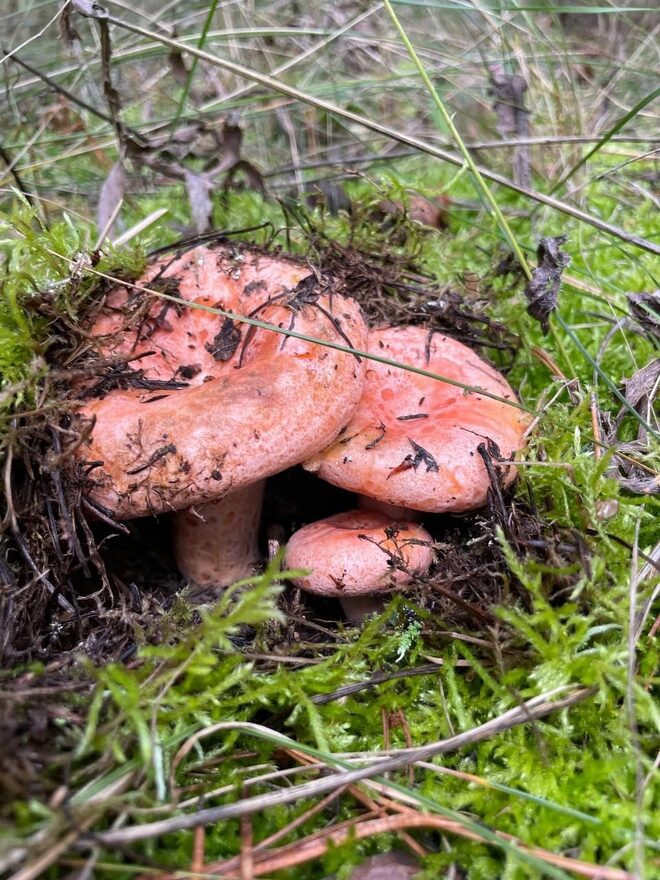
{"x": 306, "y": 850}
{"x": 533, "y": 709}
{"x": 276, "y": 85}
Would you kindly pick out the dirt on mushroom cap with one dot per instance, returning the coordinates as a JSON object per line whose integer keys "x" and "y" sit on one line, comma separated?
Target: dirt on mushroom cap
{"x": 178, "y": 343}
{"x": 414, "y": 440}
{"x": 155, "y": 451}
{"x": 358, "y": 553}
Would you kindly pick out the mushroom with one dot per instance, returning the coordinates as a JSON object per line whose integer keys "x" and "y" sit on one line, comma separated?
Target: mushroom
{"x": 413, "y": 440}
{"x": 217, "y": 544}
{"x": 357, "y": 555}
{"x": 429, "y": 212}
{"x": 215, "y": 408}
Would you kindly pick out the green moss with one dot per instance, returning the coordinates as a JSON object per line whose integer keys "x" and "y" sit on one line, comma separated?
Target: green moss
{"x": 44, "y": 279}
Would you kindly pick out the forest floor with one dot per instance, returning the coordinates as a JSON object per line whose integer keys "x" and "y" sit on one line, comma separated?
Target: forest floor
{"x": 512, "y": 693}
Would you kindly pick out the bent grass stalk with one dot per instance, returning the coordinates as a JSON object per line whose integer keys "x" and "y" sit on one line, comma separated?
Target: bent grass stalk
{"x": 501, "y": 219}
{"x": 465, "y": 153}
{"x": 285, "y": 89}
{"x": 537, "y": 707}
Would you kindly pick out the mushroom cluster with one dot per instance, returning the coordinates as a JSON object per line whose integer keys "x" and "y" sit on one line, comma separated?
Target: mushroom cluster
{"x": 411, "y": 446}
{"x": 216, "y": 406}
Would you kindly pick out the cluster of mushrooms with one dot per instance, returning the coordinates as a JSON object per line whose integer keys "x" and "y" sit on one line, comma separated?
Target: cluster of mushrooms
{"x": 217, "y": 406}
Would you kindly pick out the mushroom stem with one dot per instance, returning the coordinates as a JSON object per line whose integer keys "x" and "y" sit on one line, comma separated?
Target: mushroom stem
{"x": 394, "y": 511}
{"x": 357, "y": 608}
{"x": 216, "y": 544}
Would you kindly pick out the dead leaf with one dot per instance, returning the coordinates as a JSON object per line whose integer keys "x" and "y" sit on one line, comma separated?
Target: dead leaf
{"x": 111, "y": 195}
{"x": 423, "y": 456}
{"x": 66, "y": 28}
{"x": 225, "y": 342}
{"x": 645, "y": 308}
{"x": 199, "y": 187}
{"x": 642, "y": 385}
{"x": 412, "y": 462}
{"x": 543, "y": 289}
{"x": 628, "y": 466}
{"x": 230, "y": 157}
{"x": 61, "y": 117}
{"x": 397, "y": 865}
{"x": 428, "y": 212}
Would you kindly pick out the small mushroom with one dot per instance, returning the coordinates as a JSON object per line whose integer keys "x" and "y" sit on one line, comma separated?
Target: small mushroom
{"x": 413, "y": 440}
{"x": 216, "y": 407}
{"x": 359, "y": 554}
{"x": 429, "y": 212}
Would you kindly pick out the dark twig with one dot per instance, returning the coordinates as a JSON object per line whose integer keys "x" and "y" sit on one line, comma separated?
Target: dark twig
{"x": 11, "y": 167}
{"x": 374, "y": 681}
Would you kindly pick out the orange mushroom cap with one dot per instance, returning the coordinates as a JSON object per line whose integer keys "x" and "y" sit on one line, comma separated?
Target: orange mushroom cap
{"x": 253, "y": 409}
{"x": 413, "y": 440}
{"x": 358, "y": 553}
{"x": 192, "y": 345}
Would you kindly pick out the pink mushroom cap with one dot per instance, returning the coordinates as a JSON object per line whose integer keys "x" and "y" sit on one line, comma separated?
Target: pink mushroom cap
{"x": 413, "y": 440}
{"x": 192, "y": 345}
{"x": 359, "y": 553}
{"x": 252, "y": 408}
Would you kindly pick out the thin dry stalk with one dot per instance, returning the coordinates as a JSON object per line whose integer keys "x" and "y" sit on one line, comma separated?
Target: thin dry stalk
{"x": 377, "y": 807}
{"x": 533, "y": 709}
{"x": 199, "y": 840}
{"x": 247, "y": 855}
{"x": 304, "y": 851}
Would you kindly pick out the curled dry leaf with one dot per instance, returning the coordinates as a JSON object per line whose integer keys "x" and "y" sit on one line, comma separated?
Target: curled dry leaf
{"x": 543, "y": 289}
{"x": 645, "y": 308}
{"x": 641, "y": 392}
{"x": 66, "y": 29}
{"x": 641, "y": 389}
{"x": 231, "y": 160}
{"x": 429, "y": 212}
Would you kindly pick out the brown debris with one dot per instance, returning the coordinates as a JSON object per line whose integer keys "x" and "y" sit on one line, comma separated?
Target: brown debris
{"x": 645, "y": 308}
{"x": 543, "y": 289}
{"x": 628, "y": 466}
